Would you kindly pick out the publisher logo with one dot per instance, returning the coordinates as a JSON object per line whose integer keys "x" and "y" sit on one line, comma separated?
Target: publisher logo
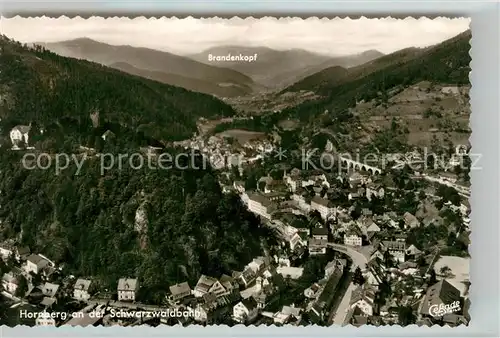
{"x": 443, "y": 309}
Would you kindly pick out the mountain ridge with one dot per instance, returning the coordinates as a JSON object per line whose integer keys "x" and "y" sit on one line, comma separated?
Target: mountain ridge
{"x": 279, "y": 68}
{"x": 42, "y": 86}
{"x": 151, "y": 60}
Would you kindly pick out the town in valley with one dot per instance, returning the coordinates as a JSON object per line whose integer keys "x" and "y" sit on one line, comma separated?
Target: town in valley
{"x": 340, "y": 196}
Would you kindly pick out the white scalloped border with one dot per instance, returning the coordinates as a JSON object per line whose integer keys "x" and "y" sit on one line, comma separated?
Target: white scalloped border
{"x": 297, "y": 329}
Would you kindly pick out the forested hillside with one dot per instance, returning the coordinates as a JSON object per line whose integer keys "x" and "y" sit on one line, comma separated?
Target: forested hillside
{"x": 88, "y": 221}
{"x": 161, "y": 225}
{"x": 39, "y": 86}
{"x": 446, "y": 63}
{"x": 158, "y": 65}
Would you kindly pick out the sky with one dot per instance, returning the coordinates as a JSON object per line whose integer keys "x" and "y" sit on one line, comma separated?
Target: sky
{"x": 189, "y": 35}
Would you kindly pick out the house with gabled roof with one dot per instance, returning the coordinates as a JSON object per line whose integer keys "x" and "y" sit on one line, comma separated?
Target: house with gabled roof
{"x": 410, "y": 220}
{"x": 313, "y": 291}
{"x": 229, "y": 283}
{"x": 363, "y": 297}
{"x": 246, "y": 311}
{"x": 218, "y": 289}
{"x": 397, "y": 249}
{"x": 35, "y": 264}
{"x": 19, "y": 135}
{"x": 10, "y": 282}
{"x": 355, "y": 317}
{"x": 247, "y": 277}
{"x": 317, "y": 246}
{"x": 320, "y": 233}
{"x": 108, "y": 134}
{"x": 352, "y": 236}
{"x": 259, "y": 264}
{"x": 376, "y": 273}
{"x": 440, "y": 293}
{"x": 376, "y": 254}
{"x": 374, "y": 190}
{"x": 204, "y": 285}
{"x": 179, "y": 291}
{"x": 334, "y": 265}
{"x": 22, "y": 253}
{"x": 50, "y": 289}
{"x": 288, "y": 315}
{"x": 7, "y": 249}
{"x": 260, "y": 205}
{"x": 325, "y": 208}
{"x": 81, "y": 290}
{"x": 127, "y": 289}
{"x": 412, "y": 251}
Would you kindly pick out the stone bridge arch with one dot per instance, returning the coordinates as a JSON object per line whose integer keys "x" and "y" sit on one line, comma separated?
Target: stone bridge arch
{"x": 360, "y": 166}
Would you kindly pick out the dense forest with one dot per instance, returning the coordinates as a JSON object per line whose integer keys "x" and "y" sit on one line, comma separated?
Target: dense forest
{"x": 87, "y": 221}
{"x": 161, "y": 225}
{"x": 39, "y": 86}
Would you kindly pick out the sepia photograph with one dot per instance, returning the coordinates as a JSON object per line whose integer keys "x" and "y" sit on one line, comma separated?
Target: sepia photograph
{"x": 272, "y": 171}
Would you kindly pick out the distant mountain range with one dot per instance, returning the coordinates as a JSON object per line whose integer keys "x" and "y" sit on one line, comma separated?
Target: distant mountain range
{"x": 157, "y": 65}
{"x": 274, "y": 69}
{"x": 334, "y": 75}
{"x": 271, "y": 70}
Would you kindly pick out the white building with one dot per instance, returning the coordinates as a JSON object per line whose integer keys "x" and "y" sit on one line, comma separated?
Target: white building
{"x": 10, "y": 283}
{"x": 317, "y": 246}
{"x": 373, "y": 190}
{"x": 179, "y": 291}
{"x": 353, "y": 240}
{"x": 290, "y": 272}
{"x": 293, "y": 182}
{"x": 320, "y": 233}
{"x": 81, "y": 289}
{"x": 302, "y": 202}
{"x": 127, "y": 289}
{"x": 259, "y": 264}
{"x": 363, "y": 298}
{"x": 35, "y": 264}
{"x": 397, "y": 249}
{"x": 50, "y": 289}
{"x": 20, "y": 134}
{"x": 207, "y": 284}
{"x": 260, "y": 205}
{"x": 245, "y": 311}
{"x": 6, "y": 250}
{"x": 295, "y": 240}
{"x": 313, "y": 291}
{"x": 45, "y": 319}
{"x": 323, "y": 206}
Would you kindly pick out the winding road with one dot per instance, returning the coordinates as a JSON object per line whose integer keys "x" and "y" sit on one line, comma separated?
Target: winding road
{"x": 358, "y": 258}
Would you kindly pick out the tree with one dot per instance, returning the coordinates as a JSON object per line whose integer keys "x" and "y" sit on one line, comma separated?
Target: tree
{"x": 445, "y": 271}
{"x": 277, "y": 174}
{"x": 315, "y": 216}
{"x": 3, "y": 267}
{"x": 358, "y": 278}
{"x": 388, "y": 259}
{"x": 356, "y": 212}
{"x": 406, "y": 316}
{"x": 251, "y": 182}
{"x": 433, "y": 278}
{"x": 421, "y": 261}
{"x": 421, "y": 195}
{"x": 22, "y": 286}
